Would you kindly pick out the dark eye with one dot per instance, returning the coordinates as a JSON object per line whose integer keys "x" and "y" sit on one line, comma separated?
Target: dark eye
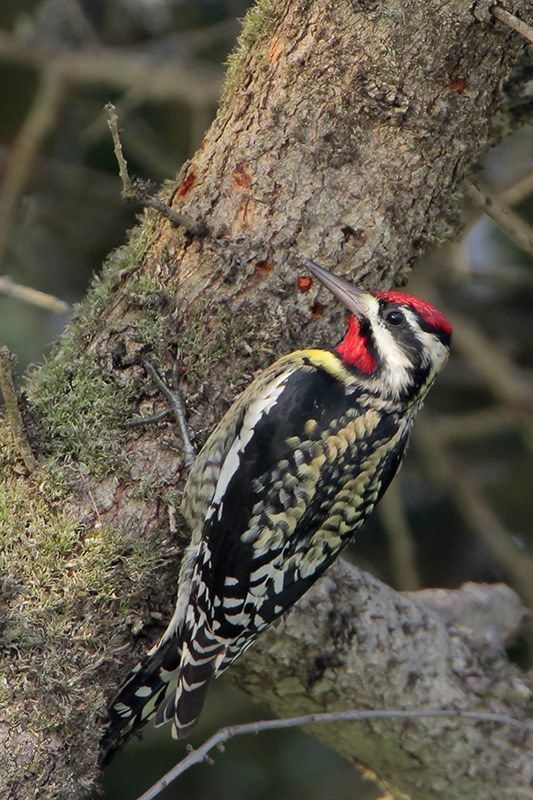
{"x": 394, "y": 317}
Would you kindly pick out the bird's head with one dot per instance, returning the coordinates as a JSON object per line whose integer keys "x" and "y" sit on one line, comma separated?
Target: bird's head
{"x": 397, "y": 341}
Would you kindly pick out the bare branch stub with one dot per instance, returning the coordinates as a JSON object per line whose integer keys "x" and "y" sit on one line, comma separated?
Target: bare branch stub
{"x": 131, "y": 189}
{"x": 176, "y": 406}
{"x": 176, "y": 217}
{"x": 128, "y": 191}
{"x": 14, "y": 417}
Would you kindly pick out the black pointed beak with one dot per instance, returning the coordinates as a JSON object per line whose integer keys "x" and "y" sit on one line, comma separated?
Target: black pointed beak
{"x": 355, "y": 300}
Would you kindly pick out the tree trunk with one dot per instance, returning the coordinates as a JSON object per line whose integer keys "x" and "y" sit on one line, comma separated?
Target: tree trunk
{"x": 345, "y": 133}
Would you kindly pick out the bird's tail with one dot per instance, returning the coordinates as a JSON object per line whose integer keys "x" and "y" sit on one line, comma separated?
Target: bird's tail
{"x": 139, "y": 697}
{"x": 200, "y": 660}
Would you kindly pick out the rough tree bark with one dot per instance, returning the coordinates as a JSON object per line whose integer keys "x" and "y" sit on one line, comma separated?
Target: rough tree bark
{"x": 345, "y": 133}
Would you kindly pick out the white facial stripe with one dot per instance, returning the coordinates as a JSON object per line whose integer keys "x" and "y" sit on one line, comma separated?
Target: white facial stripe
{"x": 396, "y": 363}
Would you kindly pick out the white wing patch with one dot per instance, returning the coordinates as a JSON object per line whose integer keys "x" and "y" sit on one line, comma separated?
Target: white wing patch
{"x": 260, "y": 406}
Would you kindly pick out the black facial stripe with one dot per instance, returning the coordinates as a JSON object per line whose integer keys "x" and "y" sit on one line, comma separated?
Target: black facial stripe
{"x": 365, "y": 329}
{"x": 424, "y": 325}
{"x": 420, "y": 375}
{"x": 406, "y": 337}
{"x": 442, "y": 336}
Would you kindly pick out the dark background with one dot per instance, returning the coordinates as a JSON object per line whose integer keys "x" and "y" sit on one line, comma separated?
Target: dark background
{"x": 467, "y": 479}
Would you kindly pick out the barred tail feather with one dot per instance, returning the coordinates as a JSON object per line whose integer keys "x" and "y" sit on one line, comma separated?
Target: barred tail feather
{"x": 191, "y": 691}
{"x": 140, "y": 696}
{"x": 199, "y": 666}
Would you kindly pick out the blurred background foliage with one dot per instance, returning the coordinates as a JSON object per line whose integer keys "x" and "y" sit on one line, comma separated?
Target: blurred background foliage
{"x": 460, "y": 509}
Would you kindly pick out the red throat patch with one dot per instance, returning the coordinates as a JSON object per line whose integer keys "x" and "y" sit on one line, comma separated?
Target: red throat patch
{"x": 435, "y": 318}
{"x": 354, "y": 348}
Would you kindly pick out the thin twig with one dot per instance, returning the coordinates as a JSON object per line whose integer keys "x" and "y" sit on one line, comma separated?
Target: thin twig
{"x": 142, "y": 141}
{"x": 513, "y": 22}
{"x": 134, "y": 96}
{"x": 129, "y": 102}
{"x": 180, "y": 414}
{"x": 509, "y": 221}
{"x": 130, "y": 191}
{"x": 35, "y": 297}
{"x": 149, "y": 420}
{"x": 176, "y": 217}
{"x": 14, "y": 417}
{"x": 200, "y": 754}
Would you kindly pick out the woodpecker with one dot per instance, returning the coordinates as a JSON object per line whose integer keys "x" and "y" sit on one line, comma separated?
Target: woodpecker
{"x": 292, "y": 470}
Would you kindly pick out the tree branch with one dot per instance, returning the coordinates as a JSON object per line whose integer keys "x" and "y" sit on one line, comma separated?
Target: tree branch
{"x": 119, "y": 68}
{"x": 221, "y": 737}
{"x": 490, "y": 615}
{"x": 36, "y": 127}
{"x": 27, "y": 294}
{"x": 513, "y": 22}
{"x": 511, "y": 223}
{"x": 351, "y": 638}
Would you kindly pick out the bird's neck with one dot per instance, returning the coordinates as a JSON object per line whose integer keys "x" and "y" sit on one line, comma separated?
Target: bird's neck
{"x": 356, "y": 349}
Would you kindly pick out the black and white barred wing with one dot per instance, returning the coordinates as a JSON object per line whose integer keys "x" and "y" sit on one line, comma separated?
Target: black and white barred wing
{"x": 307, "y": 464}
{"x": 154, "y": 678}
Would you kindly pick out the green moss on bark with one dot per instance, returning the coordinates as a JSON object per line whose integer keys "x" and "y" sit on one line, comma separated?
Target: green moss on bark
{"x": 256, "y": 26}
{"x": 59, "y": 569}
{"x": 120, "y": 264}
{"x": 77, "y": 404}
{"x": 80, "y": 409}
{"x": 215, "y": 335}
{"x": 61, "y": 589}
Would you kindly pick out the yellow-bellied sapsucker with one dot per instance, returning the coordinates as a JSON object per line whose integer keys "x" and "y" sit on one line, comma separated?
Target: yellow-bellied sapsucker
{"x": 291, "y": 471}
